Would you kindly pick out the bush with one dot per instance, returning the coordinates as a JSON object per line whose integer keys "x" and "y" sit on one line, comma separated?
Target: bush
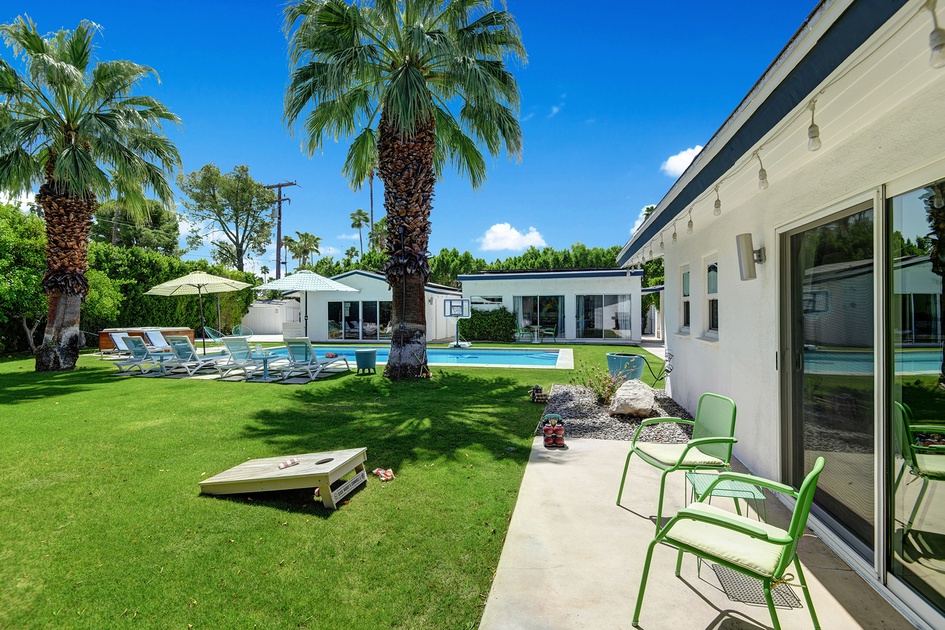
{"x": 599, "y": 381}
{"x": 495, "y": 325}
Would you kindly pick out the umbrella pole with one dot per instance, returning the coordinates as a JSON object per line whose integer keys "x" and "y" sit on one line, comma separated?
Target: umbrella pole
{"x": 203, "y": 324}
{"x": 306, "y": 314}
{"x": 219, "y": 321}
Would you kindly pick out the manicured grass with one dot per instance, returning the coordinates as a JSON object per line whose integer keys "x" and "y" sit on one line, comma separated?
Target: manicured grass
{"x": 104, "y": 524}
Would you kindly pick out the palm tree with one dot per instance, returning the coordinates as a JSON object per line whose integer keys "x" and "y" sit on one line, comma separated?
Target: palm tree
{"x": 292, "y": 248}
{"x": 359, "y": 219}
{"x": 308, "y": 244}
{"x": 419, "y": 82}
{"x": 350, "y": 253}
{"x": 377, "y": 237}
{"x": 72, "y": 125}
{"x": 264, "y": 270}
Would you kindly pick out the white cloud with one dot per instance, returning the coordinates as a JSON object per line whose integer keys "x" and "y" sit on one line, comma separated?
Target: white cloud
{"x": 502, "y": 236}
{"x": 676, "y": 165}
{"x": 329, "y": 251}
{"x": 24, "y": 201}
{"x": 555, "y": 109}
{"x": 350, "y": 237}
{"x": 527, "y": 117}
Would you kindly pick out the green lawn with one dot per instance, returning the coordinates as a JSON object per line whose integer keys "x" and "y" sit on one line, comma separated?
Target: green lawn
{"x": 104, "y": 525}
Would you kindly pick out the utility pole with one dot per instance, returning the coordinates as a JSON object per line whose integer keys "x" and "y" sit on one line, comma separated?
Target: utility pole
{"x": 279, "y": 199}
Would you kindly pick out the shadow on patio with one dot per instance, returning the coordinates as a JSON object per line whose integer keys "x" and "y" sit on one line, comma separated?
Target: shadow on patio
{"x": 573, "y": 558}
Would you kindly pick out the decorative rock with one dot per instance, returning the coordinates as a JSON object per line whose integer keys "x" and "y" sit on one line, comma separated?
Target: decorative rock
{"x": 634, "y": 398}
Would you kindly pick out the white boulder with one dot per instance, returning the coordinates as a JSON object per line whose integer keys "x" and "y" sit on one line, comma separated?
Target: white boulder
{"x": 634, "y": 398}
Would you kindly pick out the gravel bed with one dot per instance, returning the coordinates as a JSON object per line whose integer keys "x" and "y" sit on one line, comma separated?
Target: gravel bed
{"x": 583, "y": 417}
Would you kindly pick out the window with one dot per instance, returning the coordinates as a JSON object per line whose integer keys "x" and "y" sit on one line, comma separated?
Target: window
{"x": 546, "y": 311}
{"x": 359, "y": 320}
{"x": 712, "y": 295}
{"x": 603, "y": 316}
{"x": 685, "y": 299}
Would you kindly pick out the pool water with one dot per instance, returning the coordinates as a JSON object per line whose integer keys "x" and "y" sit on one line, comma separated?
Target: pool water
{"x": 456, "y": 356}
{"x": 831, "y": 362}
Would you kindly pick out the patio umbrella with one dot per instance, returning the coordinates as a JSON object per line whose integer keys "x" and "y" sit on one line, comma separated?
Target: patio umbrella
{"x": 198, "y": 283}
{"x": 304, "y": 281}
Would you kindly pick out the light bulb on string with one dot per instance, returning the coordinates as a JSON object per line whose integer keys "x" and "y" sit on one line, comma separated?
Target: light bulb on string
{"x": 813, "y": 132}
{"x": 717, "y": 209}
{"x": 936, "y": 39}
{"x": 762, "y": 173}
{"x": 674, "y": 231}
{"x": 662, "y": 244}
{"x": 689, "y": 225}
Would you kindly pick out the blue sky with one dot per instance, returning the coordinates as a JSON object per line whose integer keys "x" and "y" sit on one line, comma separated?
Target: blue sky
{"x": 612, "y": 91}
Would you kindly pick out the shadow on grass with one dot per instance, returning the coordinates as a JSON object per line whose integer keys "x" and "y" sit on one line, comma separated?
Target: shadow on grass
{"x": 300, "y": 501}
{"x": 27, "y": 385}
{"x": 404, "y": 422}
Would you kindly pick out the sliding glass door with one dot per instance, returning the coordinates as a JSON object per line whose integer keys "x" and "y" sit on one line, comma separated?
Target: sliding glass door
{"x": 829, "y": 377}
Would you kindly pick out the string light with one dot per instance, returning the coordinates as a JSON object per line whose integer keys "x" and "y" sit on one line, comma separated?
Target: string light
{"x": 936, "y": 39}
{"x": 762, "y": 173}
{"x": 813, "y": 132}
{"x": 689, "y": 225}
{"x": 717, "y": 209}
{"x": 662, "y": 244}
{"x": 674, "y": 232}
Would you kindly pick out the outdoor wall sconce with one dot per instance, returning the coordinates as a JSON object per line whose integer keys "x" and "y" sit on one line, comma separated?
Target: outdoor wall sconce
{"x": 748, "y": 256}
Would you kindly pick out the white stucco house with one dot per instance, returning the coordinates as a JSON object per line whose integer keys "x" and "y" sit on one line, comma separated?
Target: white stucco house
{"x": 365, "y": 315}
{"x": 591, "y": 305}
{"x": 823, "y": 319}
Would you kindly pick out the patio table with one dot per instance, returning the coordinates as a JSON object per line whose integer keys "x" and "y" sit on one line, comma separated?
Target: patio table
{"x": 734, "y": 490}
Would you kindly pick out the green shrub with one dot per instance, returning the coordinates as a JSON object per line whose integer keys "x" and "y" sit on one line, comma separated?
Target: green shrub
{"x": 495, "y": 325}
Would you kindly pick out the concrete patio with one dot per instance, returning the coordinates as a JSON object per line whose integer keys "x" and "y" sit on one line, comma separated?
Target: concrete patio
{"x": 573, "y": 558}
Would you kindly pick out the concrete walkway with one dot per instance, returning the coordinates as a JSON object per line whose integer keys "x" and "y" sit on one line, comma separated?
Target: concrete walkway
{"x": 573, "y": 559}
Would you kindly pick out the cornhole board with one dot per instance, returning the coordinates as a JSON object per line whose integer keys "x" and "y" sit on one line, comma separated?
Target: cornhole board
{"x": 314, "y": 470}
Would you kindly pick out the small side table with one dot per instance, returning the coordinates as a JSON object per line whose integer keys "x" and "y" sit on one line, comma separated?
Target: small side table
{"x": 366, "y": 359}
{"x": 734, "y": 490}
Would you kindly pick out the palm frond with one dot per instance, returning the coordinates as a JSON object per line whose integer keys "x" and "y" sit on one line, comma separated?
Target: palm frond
{"x": 361, "y": 160}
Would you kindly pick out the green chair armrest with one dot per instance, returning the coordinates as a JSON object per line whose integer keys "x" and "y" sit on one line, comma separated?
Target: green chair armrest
{"x": 650, "y": 421}
{"x": 691, "y": 444}
{"x": 926, "y": 428}
{"x": 753, "y": 480}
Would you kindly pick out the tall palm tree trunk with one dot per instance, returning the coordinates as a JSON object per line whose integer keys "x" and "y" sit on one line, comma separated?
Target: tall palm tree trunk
{"x": 405, "y": 165}
{"x": 68, "y": 224}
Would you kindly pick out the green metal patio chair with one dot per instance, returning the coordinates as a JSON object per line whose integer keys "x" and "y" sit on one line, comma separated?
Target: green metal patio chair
{"x": 713, "y": 434}
{"x": 740, "y": 543}
{"x": 521, "y": 333}
{"x": 550, "y": 331}
{"x": 923, "y": 462}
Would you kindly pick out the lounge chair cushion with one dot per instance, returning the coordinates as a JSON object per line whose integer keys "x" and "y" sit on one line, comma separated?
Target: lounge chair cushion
{"x": 668, "y": 454}
{"x": 740, "y": 549}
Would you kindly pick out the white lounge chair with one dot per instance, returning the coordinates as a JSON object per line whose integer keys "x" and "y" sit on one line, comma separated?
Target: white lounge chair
{"x": 120, "y": 349}
{"x": 188, "y": 358}
{"x": 302, "y": 359}
{"x": 241, "y": 357}
{"x": 141, "y": 356}
{"x": 156, "y": 340}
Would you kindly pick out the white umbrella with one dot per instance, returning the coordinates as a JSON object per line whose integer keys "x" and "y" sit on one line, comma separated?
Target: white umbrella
{"x": 198, "y": 283}
{"x": 304, "y": 281}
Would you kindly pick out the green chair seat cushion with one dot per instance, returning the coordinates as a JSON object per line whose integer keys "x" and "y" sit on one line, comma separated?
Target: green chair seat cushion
{"x": 667, "y": 455}
{"x": 737, "y": 548}
{"x": 931, "y": 465}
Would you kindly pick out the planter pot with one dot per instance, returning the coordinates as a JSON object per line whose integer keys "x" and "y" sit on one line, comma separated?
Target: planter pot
{"x": 625, "y": 365}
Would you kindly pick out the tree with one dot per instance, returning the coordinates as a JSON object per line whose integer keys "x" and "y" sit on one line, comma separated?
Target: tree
{"x": 350, "y": 254}
{"x": 377, "y": 237}
{"x": 159, "y": 231}
{"x": 237, "y": 205}
{"x": 419, "y": 82}
{"x": 308, "y": 244}
{"x": 264, "y": 270}
{"x": 935, "y": 213}
{"x": 22, "y": 301}
{"x": 359, "y": 218}
{"x": 72, "y": 124}
{"x": 291, "y": 249}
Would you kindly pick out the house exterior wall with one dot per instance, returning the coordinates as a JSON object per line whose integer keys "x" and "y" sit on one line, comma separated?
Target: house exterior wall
{"x": 741, "y": 362}
{"x": 501, "y": 285}
{"x": 266, "y": 318}
{"x": 370, "y": 288}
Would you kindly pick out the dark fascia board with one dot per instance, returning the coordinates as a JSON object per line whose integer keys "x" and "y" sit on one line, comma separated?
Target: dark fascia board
{"x": 549, "y": 275}
{"x": 842, "y": 39}
{"x": 373, "y": 275}
{"x": 655, "y": 289}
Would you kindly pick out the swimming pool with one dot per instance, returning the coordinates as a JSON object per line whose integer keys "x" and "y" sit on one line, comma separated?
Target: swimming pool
{"x": 832, "y": 362}
{"x": 501, "y": 357}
